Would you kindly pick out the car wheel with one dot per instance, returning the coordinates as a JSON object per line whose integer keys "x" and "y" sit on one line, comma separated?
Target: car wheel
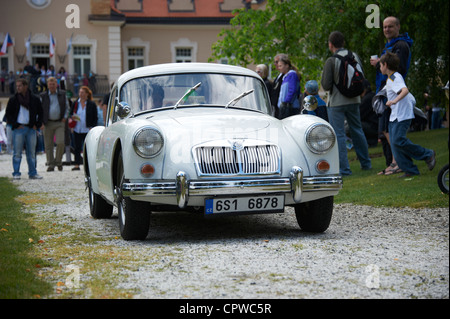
{"x": 134, "y": 216}
{"x": 443, "y": 179}
{"x": 315, "y": 216}
{"x": 98, "y": 207}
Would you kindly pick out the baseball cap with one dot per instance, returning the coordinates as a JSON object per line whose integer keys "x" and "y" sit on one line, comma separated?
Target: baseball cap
{"x": 312, "y": 87}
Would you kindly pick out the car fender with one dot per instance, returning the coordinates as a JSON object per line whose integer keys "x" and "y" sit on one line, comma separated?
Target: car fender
{"x": 298, "y": 125}
{"x": 89, "y": 155}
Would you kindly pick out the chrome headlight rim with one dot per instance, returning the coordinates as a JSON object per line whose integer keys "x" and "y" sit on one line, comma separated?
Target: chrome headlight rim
{"x": 139, "y": 151}
{"x": 331, "y": 137}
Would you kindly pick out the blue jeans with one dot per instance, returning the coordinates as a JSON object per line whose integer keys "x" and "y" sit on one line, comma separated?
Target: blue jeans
{"x": 403, "y": 149}
{"x": 337, "y": 116}
{"x": 436, "y": 120}
{"x": 24, "y": 137}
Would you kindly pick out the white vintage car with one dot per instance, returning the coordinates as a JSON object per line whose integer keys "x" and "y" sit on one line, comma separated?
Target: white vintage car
{"x": 202, "y": 136}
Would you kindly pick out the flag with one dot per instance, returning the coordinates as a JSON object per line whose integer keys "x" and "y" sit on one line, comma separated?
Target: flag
{"x": 52, "y": 45}
{"x": 7, "y": 43}
{"x": 69, "y": 46}
{"x": 28, "y": 44}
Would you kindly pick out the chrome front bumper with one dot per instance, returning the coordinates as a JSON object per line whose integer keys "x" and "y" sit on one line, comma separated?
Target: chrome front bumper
{"x": 182, "y": 188}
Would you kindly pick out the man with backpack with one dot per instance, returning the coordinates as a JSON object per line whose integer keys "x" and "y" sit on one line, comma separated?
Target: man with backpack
{"x": 343, "y": 78}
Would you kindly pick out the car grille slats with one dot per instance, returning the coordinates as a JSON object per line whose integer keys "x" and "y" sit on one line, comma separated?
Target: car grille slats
{"x": 225, "y": 160}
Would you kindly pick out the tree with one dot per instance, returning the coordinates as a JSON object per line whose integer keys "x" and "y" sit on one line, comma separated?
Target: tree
{"x": 300, "y": 28}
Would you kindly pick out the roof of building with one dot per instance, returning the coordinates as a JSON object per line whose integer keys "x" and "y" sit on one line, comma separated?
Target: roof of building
{"x": 174, "y": 11}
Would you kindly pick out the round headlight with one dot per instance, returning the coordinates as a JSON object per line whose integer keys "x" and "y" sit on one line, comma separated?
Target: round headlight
{"x": 320, "y": 138}
{"x": 148, "y": 142}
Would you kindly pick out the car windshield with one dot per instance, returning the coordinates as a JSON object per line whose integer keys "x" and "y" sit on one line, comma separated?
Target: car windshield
{"x": 151, "y": 93}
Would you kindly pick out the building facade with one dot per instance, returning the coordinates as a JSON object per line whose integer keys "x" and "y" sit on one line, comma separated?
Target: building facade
{"x": 101, "y": 39}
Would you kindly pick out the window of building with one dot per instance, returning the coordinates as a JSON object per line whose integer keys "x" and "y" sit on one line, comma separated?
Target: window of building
{"x": 40, "y": 49}
{"x": 82, "y": 59}
{"x": 183, "y": 55}
{"x": 181, "y": 6}
{"x": 40, "y": 55}
{"x": 129, "y": 5}
{"x": 135, "y": 58}
{"x": 184, "y": 50}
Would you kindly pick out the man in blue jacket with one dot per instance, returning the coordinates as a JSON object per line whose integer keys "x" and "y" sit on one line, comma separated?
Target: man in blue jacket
{"x": 397, "y": 43}
{"x": 24, "y": 114}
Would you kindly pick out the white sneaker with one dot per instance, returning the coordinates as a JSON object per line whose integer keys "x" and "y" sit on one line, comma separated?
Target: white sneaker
{"x": 35, "y": 177}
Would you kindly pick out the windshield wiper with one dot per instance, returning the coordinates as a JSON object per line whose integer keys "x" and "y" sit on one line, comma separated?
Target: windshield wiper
{"x": 236, "y": 99}
{"x": 187, "y": 94}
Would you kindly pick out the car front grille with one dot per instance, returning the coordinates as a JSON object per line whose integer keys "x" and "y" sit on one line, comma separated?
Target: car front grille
{"x": 247, "y": 160}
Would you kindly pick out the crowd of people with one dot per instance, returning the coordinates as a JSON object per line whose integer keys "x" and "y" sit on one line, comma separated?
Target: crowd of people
{"x": 352, "y": 117}
{"x": 37, "y": 77}
{"x": 66, "y": 124}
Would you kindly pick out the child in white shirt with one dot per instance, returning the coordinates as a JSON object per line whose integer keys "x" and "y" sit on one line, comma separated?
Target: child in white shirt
{"x": 402, "y": 104}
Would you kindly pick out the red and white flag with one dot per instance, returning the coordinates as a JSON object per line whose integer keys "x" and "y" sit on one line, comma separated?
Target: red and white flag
{"x": 7, "y": 43}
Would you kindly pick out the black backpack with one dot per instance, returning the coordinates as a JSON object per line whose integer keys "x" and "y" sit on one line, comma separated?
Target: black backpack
{"x": 351, "y": 77}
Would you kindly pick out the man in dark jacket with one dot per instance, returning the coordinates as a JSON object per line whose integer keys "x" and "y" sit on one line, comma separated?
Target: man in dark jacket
{"x": 56, "y": 110}
{"x": 24, "y": 114}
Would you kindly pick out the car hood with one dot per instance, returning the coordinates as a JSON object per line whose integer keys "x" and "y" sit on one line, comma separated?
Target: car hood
{"x": 211, "y": 123}
{"x": 238, "y": 121}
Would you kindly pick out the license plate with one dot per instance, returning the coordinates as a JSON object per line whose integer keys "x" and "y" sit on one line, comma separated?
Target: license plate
{"x": 253, "y": 204}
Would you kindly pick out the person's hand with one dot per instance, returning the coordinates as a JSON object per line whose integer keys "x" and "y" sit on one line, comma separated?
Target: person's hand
{"x": 374, "y": 62}
{"x": 389, "y": 103}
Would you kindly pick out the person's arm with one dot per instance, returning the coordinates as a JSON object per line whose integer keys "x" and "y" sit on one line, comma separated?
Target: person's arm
{"x": 328, "y": 75}
{"x": 67, "y": 113}
{"x": 39, "y": 114}
{"x": 292, "y": 80}
{"x": 403, "y": 92}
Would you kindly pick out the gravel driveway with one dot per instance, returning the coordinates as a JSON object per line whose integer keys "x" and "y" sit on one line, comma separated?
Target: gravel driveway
{"x": 366, "y": 253}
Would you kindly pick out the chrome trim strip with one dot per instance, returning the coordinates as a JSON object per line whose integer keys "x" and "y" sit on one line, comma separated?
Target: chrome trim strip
{"x": 211, "y": 188}
{"x": 149, "y": 189}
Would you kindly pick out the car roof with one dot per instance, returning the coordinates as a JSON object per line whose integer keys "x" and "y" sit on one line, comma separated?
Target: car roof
{"x": 173, "y": 68}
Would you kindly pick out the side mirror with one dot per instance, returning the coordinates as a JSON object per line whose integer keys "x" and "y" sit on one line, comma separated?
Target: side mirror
{"x": 123, "y": 110}
{"x": 310, "y": 103}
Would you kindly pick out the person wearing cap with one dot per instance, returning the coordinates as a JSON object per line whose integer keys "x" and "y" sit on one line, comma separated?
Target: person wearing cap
{"x": 312, "y": 88}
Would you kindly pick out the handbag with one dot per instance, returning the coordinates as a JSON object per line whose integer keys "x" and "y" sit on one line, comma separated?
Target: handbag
{"x": 72, "y": 123}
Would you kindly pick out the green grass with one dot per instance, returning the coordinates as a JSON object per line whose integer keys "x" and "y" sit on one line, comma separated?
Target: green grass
{"x": 18, "y": 268}
{"x": 367, "y": 188}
